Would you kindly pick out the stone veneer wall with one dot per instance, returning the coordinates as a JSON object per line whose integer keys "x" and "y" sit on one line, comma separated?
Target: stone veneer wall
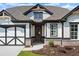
{"x": 64, "y": 42}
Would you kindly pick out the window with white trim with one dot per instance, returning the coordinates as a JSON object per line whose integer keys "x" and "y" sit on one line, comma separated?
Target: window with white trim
{"x": 73, "y": 31}
{"x": 53, "y": 30}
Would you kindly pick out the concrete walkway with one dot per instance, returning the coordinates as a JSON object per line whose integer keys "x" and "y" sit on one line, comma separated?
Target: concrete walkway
{"x": 34, "y": 47}
{"x": 10, "y": 50}
{"x": 15, "y": 50}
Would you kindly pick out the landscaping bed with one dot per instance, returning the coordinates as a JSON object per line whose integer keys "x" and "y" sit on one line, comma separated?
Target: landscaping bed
{"x": 58, "y": 51}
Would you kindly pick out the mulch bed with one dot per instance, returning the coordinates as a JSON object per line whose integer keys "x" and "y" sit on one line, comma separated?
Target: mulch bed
{"x": 58, "y": 51}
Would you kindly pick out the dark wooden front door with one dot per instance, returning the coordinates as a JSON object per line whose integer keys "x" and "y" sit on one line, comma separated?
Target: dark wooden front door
{"x": 38, "y": 33}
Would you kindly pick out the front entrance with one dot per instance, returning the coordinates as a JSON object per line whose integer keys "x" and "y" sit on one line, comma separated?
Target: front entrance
{"x": 38, "y": 33}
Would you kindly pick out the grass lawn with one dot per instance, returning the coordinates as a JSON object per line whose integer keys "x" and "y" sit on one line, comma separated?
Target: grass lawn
{"x": 28, "y": 53}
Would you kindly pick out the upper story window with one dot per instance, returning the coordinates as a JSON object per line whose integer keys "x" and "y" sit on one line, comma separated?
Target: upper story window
{"x": 38, "y": 15}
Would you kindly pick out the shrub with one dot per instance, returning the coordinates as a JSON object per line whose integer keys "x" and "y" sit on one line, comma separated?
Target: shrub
{"x": 68, "y": 48}
{"x": 62, "y": 50}
{"x": 51, "y": 43}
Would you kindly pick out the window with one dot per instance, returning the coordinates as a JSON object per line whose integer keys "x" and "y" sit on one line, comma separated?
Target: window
{"x": 38, "y": 15}
{"x": 73, "y": 31}
{"x": 53, "y": 30}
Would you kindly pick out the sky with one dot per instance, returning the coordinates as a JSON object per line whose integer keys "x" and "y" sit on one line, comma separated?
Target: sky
{"x": 70, "y": 6}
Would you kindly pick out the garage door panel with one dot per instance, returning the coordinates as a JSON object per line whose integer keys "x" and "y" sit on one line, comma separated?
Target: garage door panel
{"x": 2, "y": 36}
{"x": 20, "y": 41}
{"x": 10, "y": 41}
{"x": 12, "y": 35}
{"x": 2, "y": 41}
{"x": 19, "y": 31}
{"x": 2, "y": 31}
{"x": 11, "y": 31}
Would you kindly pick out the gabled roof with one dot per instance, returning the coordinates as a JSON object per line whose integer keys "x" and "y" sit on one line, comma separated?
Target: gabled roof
{"x": 7, "y": 14}
{"x": 18, "y": 12}
{"x": 58, "y": 12}
{"x": 75, "y": 10}
{"x": 38, "y": 7}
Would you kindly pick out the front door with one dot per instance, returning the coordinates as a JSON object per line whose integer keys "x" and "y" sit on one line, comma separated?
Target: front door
{"x": 38, "y": 33}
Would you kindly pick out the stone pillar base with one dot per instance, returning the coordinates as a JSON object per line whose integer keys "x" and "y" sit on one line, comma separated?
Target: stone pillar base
{"x": 28, "y": 43}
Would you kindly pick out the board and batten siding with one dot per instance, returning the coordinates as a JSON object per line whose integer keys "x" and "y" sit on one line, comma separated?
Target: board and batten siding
{"x": 32, "y": 30}
{"x": 45, "y": 30}
{"x": 48, "y": 30}
{"x": 59, "y": 30}
{"x": 78, "y": 32}
{"x": 27, "y": 30}
{"x": 72, "y": 18}
{"x": 66, "y": 30}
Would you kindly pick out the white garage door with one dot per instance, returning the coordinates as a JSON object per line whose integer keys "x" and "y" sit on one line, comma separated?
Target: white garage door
{"x": 12, "y": 35}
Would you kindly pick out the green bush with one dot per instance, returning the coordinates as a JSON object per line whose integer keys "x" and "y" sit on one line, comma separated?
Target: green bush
{"x": 51, "y": 43}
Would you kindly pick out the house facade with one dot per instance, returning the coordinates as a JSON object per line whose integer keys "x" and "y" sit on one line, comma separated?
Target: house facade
{"x": 26, "y": 25}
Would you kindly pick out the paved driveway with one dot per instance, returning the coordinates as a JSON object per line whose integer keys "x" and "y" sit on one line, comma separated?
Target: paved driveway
{"x": 10, "y": 50}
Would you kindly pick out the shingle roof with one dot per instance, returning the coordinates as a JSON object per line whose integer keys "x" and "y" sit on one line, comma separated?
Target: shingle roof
{"x": 18, "y": 11}
{"x": 74, "y": 11}
{"x": 58, "y": 12}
